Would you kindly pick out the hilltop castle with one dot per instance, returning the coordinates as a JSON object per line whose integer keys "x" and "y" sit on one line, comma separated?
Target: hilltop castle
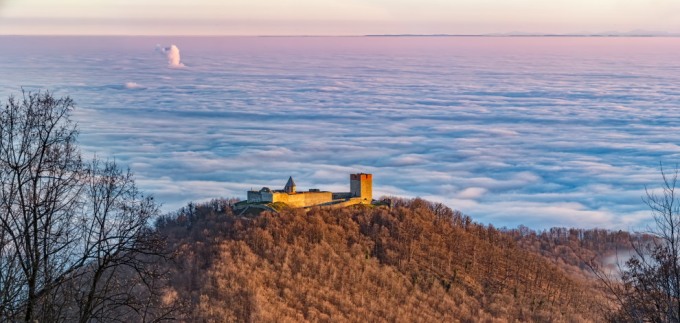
{"x": 360, "y": 186}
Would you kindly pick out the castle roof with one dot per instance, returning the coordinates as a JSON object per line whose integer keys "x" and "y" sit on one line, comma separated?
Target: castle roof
{"x": 290, "y": 184}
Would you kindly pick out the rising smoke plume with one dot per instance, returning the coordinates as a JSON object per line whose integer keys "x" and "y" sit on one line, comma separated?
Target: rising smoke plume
{"x": 172, "y": 54}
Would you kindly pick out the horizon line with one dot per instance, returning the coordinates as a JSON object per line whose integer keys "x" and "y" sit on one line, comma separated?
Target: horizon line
{"x": 490, "y": 35}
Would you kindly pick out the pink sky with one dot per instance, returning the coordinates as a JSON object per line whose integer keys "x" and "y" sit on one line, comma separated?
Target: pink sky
{"x": 335, "y": 17}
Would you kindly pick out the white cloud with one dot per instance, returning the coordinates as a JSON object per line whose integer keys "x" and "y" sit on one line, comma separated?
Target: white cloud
{"x": 472, "y": 193}
{"x": 132, "y": 85}
{"x": 520, "y": 135}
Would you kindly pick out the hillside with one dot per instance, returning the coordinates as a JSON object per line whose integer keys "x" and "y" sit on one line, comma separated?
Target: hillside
{"x": 416, "y": 261}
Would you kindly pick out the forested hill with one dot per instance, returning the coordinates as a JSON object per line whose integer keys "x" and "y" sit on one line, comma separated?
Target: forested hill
{"x": 415, "y": 262}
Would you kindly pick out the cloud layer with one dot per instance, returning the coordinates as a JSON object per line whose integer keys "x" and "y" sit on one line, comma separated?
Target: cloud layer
{"x": 537, "y": 131}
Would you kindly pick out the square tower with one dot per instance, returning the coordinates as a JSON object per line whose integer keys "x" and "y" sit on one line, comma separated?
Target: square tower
{"x": 361, "y": 185}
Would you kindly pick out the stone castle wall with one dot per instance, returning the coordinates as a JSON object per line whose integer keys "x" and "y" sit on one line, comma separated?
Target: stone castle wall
{"x": 345, "y": 203}
{"x": 303, "y": 199}
{"x": 260, "y": 197}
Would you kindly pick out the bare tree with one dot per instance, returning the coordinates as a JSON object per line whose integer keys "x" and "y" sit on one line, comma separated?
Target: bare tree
{"x": 647, "y": 287}
{"x": 75, "y": 242}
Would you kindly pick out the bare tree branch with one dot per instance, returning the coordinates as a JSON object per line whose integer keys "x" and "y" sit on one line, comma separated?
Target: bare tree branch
{"x": 75, "y": 242}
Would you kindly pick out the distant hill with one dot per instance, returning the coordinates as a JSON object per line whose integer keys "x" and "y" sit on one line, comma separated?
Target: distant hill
{"x": 414, "y": 262}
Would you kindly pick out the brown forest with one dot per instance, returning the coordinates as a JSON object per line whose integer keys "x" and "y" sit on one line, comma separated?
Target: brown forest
{"x": 76, "y": 245}
{"x": 413, "y": 262}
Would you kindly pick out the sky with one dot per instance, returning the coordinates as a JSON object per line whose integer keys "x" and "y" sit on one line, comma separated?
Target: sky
{"x": 334, "y": 17}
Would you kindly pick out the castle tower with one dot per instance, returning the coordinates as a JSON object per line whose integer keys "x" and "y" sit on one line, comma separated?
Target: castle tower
{"x": 361, "y": 185}
{"x": 290, "y": 186}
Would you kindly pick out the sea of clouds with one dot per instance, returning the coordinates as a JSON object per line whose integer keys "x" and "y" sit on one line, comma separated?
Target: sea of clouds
{"x": 535, "y": 131}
